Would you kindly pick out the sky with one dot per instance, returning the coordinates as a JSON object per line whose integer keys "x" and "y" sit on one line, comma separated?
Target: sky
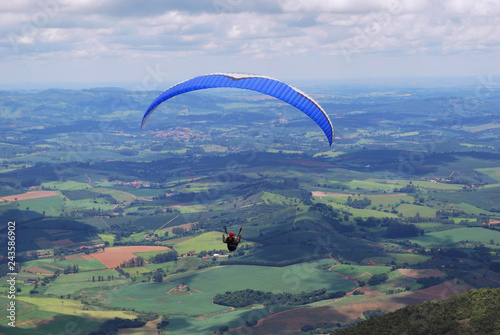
{"x": 147, "y": 44}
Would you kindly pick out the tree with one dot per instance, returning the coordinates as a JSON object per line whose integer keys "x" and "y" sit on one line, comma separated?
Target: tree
{"x": 158, "y": 277}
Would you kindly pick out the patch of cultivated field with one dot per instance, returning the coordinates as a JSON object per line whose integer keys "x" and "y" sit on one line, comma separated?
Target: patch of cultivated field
{"x": 303, "y": 277}
{"x": 398, "y": 258}
{"x": 291, "y": 320}
{"x": 215, "y": 147}
{"x": 39, "y": 322}
{"x": 414, "y": 273}
{"x": 482, "y": 127}
{"x": 398, "y": 183}
{"x": 114, "y": 256}
{"x": 49, "y": 264}
{"x": 364, "y": 213}
{"x": 120, "y": 196}
{"x": 347, "y": 195}
{"x": 409, "y": 210}
{"x": 66, "y": 185}
{"x": 360, "y": 271}
{"x": 470, "y": 209}
{"x": 456, "y": 235}
{"x": 491, "y": 172}
{"x": 272, "y": 198}
{"x": 205, "y": 242}
{"x": 159, "y": 297}
{"x": 204, "y": 285}
{"x": 409, "y": 258}
{"x": 390, "y": 201}
{"x": 110, "y": 238}
{"x": 30, "y": 195}
{"x": 348, "y": 309}
{"x": 69, "y": 284}
{"x": 210, "y": 324}
{"x": 149, "y": 328}
{"x": 74, "y": 307}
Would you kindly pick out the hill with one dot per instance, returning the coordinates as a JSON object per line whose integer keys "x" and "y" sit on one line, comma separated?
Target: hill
{"x": 475, "y": 312}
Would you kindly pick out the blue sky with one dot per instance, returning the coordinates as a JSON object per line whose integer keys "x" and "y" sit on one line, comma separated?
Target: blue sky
{"x": 149, "y": 44}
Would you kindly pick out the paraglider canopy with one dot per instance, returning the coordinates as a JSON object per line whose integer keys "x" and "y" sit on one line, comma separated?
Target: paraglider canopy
{"x": 262, "y": 84}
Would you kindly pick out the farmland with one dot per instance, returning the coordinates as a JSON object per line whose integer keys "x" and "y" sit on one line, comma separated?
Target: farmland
{"x": 458, "y": 235}
{"x": 132, "y": 223}
{"x": 113, "y": 257}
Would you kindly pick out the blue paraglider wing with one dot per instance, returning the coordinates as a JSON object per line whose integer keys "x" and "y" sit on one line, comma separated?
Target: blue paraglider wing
{"x": 262, "y": 84}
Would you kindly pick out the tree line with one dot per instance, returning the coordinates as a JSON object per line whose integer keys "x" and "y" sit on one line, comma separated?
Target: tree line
{"x": 248, "y": 297}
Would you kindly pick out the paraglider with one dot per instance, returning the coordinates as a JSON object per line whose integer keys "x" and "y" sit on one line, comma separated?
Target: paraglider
{"x": 262, "y": 84}
{"x": 231, "y": 240}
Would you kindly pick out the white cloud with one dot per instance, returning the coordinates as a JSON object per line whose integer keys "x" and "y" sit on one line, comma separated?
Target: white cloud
{"x": 218, "y": 32}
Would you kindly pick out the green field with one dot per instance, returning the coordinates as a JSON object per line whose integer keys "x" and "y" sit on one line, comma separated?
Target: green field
{"x": 41, "y": 322}
{"x": 297, "y": 278}
{"x": 50, "y": 205}
{"x": 120, "y": 196}
{"x": 205, "y": 242}
{"x": 219, "y": 160}
{"x": 181, "y": 325}
{"x": 485, "y": 199}
{"x": 156, "y": 297}
{"x": 294, "y": 278}
{"x": 272, "y": 198}
{"x": 456, "y": 235}
{"x": 390, "y": 200}
{"x": 70, "y": 284}
{"x": 409, "y": 210}
{"x": 470, "y": 209}
{"x": 390, "y": 184}
{"x": 110, "y": 238}
{"x": 32, "y": 314}
{"x": 491, "y": 172}
{"x": 50, "y": 265}
{"x": 360, "y": 271}
{"x": 66, "y": 185}
{"x": 396, "y": 282}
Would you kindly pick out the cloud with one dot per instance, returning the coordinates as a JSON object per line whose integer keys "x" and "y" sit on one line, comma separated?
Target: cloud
{"x": 218, "y": 32}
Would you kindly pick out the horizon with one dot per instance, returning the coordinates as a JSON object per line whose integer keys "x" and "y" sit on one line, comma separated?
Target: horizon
{"x": 403, "y": 82}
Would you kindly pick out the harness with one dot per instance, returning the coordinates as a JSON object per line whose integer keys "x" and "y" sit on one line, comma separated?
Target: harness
{"x": 231, "y": 246}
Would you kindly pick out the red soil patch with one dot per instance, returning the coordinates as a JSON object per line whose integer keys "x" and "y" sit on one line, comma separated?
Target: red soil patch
{"x": 114, "y": 256}
{"x": 30, "y": 195}
{"x": 442, "y": 291}
{"x": 413, "y": 273}
{"x": 367, "y": 290}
